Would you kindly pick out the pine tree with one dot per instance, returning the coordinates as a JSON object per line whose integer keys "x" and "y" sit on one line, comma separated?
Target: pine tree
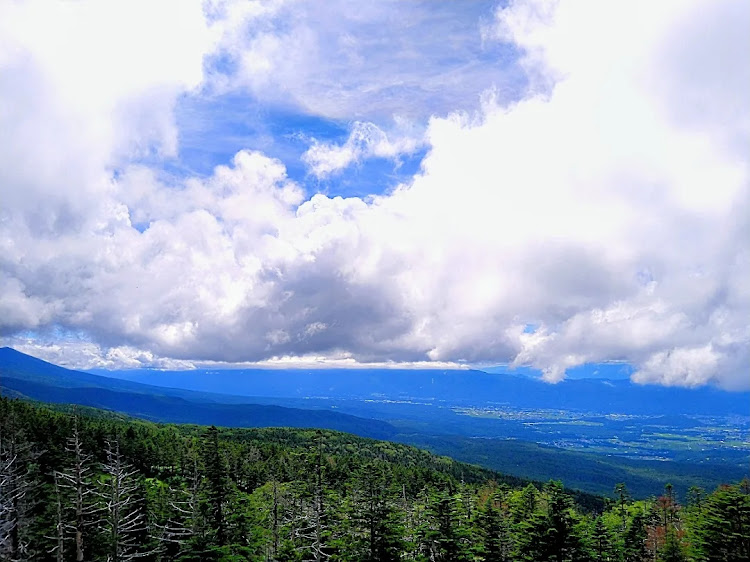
{"x": 526, "y": 504}
{"x": 276, "y": 510}
{"x": 378, "y": 517}
{"x": 696, "y": 496}
{"x": 59, "y": 548}
{"x": 530, "y": 543}
{"x": 319, "y": 503}
{"x": 310, "y": 526}
{"x": 182, "y": 529}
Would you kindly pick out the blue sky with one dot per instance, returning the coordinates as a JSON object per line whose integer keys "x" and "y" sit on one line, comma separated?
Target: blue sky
{"x": 213, "y": 130}
{"x": 268, "y": 182}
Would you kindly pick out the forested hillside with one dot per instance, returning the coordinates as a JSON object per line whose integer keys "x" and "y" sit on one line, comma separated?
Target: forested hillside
{"x": 88, "y": 485}
{"x": 599, "y": 450}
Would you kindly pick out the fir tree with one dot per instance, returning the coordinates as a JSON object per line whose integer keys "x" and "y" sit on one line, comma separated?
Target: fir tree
{"x": 494, "y": 530}
{"x": 726, "y": 526}
{"x": 601, "y": 542}
{"x": 635, "y": 540}
{"x": 560, "y": 539}
{"x": 673, "y": 550}
{"x": 216, "y": 484}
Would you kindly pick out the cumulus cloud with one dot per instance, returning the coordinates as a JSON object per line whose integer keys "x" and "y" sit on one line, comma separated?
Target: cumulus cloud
{"x": 366, "y": 140}
{"x": 609, "y": 207}
{"x": 79, "y": 353}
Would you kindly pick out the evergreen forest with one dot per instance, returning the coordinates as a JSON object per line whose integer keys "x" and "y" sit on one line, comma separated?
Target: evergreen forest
{"x": 87, "y": 485}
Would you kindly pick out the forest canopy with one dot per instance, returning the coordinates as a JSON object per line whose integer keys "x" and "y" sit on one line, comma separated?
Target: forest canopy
{"x": 89, "y": 485}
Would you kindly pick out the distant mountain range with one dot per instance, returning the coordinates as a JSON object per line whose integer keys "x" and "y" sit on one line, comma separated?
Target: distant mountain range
{"x": 381, "y": 404}
{"x": 451, "y": 387}
{"x": 25, "y": 376}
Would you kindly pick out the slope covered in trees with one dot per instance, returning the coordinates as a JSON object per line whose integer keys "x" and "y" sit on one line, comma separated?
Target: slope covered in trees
{"x": 518, "y": 446}
{"x": 84, "y": 485}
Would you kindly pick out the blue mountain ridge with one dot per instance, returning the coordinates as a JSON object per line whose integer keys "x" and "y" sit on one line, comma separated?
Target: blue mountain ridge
{"x": 437, "y": 427}
{"x": 28, "y": 377}
{"x": 452, "y": 387}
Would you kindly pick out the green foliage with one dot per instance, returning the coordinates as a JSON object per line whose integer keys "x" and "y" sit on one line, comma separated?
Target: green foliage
{"x": 99, "y": 486}
{"x": 634, "y": 548}
{"x": 724, "y": 530}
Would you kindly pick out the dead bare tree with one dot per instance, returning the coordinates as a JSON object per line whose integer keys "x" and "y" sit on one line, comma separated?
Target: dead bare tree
{"x": 124, "y": 520}
{"x": 16, "y": 487}
{"x": 80, "y": 510}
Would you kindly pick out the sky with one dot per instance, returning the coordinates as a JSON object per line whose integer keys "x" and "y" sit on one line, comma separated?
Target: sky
{"x": 541, "y": 185}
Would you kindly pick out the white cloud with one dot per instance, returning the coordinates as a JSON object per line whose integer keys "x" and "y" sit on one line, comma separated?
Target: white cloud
{"x": 602, "y": 208}
{"x": 112, "y": 68}
{"x": 355, "y": 61}
{"x": 366, "y": 140}
{"x": 77, "y": 353}
{"x": 681, "y": 366}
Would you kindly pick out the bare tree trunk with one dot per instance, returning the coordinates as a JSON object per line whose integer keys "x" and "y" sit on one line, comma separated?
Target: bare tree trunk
{"x": 59, "y": 549}
{"x": 15, "y": 490}
{"x": 77, "y": 487}
{"x": 124, "y": 520}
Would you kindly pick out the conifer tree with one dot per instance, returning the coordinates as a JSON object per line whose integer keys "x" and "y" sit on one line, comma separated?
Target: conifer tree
{"x": 673, "y": 550}
{"x": 183, "y": 528}
{"x": 59, "y": 548}
{"x": 494, "y": 530}
{"x": 526, "y": 504}
{"x": 319, "y": 502}
{"x": 601, "y": 542}
{"x": 378, "y": 517}
{"x": 725, "y": 534}
{"x": 561, "y": 541}
{"x": 445, "y": 538}
{"x": 635, "y": 540}
{"x": 622, "y": 497}
{"x": 216, "y": 484}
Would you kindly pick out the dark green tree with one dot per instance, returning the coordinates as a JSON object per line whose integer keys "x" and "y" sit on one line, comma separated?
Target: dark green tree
{"x": 378, "y": 516}
{"x": 726, "y": 528}
{"x": 561, "y": 540}
{"x": 216, "y": 485}
{"x": 634, "y": 549}
{"x": 673, "y": 550}
{"x": 622, "y": 496}
{"x": 601, "y": 542}
{"x": 444, "y": 535}
{"x": 494, "y": 530}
